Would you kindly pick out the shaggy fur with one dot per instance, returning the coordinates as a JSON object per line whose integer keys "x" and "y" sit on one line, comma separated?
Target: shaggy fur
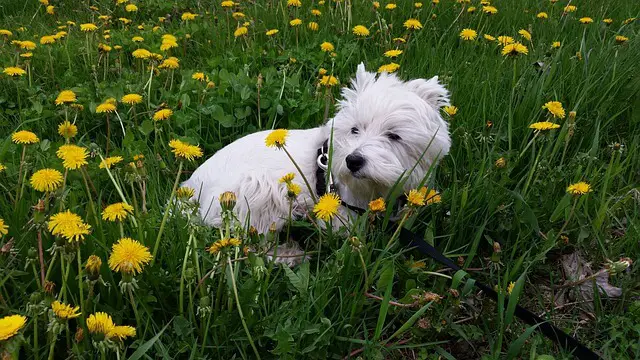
{"x": 383, "y": 121}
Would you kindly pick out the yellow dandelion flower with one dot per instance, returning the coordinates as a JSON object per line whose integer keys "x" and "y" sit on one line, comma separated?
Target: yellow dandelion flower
{"x": 105, "y": 107}
{"x": 4, "y": 229}
{"x": 104, "y": 48}
{"x": 121, "y": 332}
{"x": 510, "y": 287}
{"x": 525, "y": 34}
{"x": 430, "y": 195}
{"x": 327, "y": 206}
{"x": 329, "y": 81}
{"x": 117, "y": 212}
{"x": 131, "y": 8}
{"x": 162, "y": 114}
{"x": 287, "y": 178}
{"x": 67, "y": 130}
{"x": 570, "y": 8}
{"x": 471, "y": 9}
{"x": 377, "y": 205}
{"x": 238, "y": 15}
{"x": 621, "y": 39}
{"x": 415, "y": 198}
{"x": 241, "y": 31}
{"x": 608, "y": 21}
{"x": 108, "y": 162}
{"x": 417, "y": 5}
{"x": 389, "y": 68}
{"x": 13, "y": 71}
{"x": 128, "y": 256}
{"x": 376, "y": 5}
{"x": 390, "y": 6}
{"x": 170, "y": 63}
{"x": 489, "y": 37}
{"x": 360, "y": 30}
{"x": 316, "y": 12}
{"x": 141, "y": 54}
{"x": 294, "y": 3}
{"x": 47, "y": 39}
{"x": 468, "y": 34}
{"x": 5, "y": 33}
{"x": 11, "y": 325}
{"x": 185, "y": 192}
{"x": 413, "y": 24}
{"x": 327, "y": 47}
{"x": 505, "y": 40}
{"x": 393, "y": 53}
{"x": 295, "y": 22}
{"x": 586, "y": 20}
{"x": 73, "y": 157}
{"x": 227, "y": 4}
{"x": 579, "y": 188}
{"x": 27, "y": 45}
{"x": 277, "y": 138}
{"x": 542, "y": 15}
{"x": 272, "y": 32}
{"x": 89, "y": 27}
{"x": 198, "y": 76}
{"x": 450, "y": 110}
{"x": 68, "y": 225}
{"x": 491, "y": 10}
{"x": 293, "y": 190}
{"x": 543, "y": 126}
{"x": 132, "y": 99}
{"x": 137, "y": 39}
{"x": 556, "y": 44}
{"x": 555, "y": 108}
{"x": 24, "y": 137}
{"x": 100, "y": 323}
{"x": 188, "y": 16}
{"x": 313, "y": 26}
{"x": 46, "y": 180}
{"x": 64, "y": 311}
{"x": 26, "y": 55}
{"x": 514, "y": 49}
{"x": 184, "y": 150}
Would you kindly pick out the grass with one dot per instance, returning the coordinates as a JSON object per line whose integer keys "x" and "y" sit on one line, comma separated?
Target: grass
{"x": 507, "y": 221}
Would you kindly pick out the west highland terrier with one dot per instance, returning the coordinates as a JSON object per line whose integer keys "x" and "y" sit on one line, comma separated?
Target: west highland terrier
{"x": 384, "y": 128}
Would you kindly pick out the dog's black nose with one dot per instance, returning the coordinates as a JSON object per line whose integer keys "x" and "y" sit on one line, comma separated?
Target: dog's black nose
{"x": 355, "y": 162}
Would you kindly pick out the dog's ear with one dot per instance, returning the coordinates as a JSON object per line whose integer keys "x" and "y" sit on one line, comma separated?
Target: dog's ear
{"x": 363, "y": 79}
{"x": 430, "y": 91}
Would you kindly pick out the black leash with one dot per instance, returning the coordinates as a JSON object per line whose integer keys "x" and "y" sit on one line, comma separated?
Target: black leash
{"x": 556, "y": 335}
{"x": 412, "y": 239}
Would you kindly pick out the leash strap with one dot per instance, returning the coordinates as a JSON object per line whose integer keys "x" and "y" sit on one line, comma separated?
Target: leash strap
{"x": 558, "y": 336}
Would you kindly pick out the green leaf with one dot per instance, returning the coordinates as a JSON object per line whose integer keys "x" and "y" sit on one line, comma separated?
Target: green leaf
{"x": 387, "y": 274}
{"x": 142, "y": 350}
{"x": 410, "y": 322}
{"x": 516, "y": 346}
{"x": 513, "y": 299}
{"x": 147, "y": 127}
{"x": 300, "y": 281}
{"x": 560, "y": 208}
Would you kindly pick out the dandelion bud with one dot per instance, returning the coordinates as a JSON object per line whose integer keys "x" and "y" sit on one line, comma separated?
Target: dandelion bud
{"x": 49, "y": 287}
{"x": 617, "y": 267}
{"x": 501, "y": 163}
{"x": 460, "y": 261}
{"x": 496, "y": 247}
{"x": 93, "y": 267}
{"x": 205, "y": 301}
{"x": 272, "y": 228}
{"x": 495, "y": 257}
{"x": 572, "y": 115}
{"x": 259, "y": 83}
{"x": 455, "y": 293}
{"x": 79, "y": 334}
{"x": 228, "y": 200}
{"x": 253, "y": 231}
{"x": 355, "y": 243}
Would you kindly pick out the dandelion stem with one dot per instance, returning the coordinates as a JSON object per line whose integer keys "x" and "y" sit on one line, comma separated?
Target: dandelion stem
{"x": 166, "y": 214}
{"x": 80, "y": 282}
{"x": 18, "y": 190}
{"x": 306, "y": 182}
{"x": 183, "y": 272}
{"x": 133, "y": 306}
{"x": 41, "y": 258}
{"x": 52, "y": 347}
{"x": 244, "y": 323}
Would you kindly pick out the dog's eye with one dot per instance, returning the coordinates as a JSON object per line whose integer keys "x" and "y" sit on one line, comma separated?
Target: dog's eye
{"x": 354, "y": 130}
{"x": 393, "y": 137}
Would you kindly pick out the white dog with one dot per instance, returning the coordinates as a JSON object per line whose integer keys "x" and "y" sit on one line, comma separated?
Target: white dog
{"x": 384, "y": 127}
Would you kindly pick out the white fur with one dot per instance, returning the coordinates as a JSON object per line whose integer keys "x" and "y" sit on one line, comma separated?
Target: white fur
{"x": 376, "y": 106}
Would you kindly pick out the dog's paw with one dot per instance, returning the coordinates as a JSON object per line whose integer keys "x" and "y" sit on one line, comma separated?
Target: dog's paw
{"x": 288, "y": 254}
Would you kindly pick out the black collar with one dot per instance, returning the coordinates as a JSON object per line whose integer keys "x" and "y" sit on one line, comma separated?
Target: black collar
{"x": 321, "y": 177}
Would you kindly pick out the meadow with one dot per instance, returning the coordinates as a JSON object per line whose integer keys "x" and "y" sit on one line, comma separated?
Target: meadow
{"x": 107, "y": 105}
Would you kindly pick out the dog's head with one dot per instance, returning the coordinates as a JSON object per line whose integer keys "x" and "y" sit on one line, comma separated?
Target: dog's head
{"x": 385, "y": 126}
